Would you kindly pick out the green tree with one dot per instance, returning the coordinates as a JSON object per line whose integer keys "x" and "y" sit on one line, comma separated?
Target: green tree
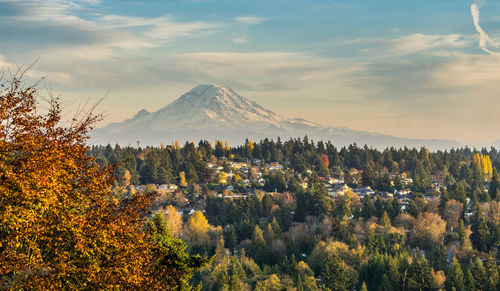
{"x": 455, "y": 277}
{"x": 385, "y": 284}
{"x": 385, "y": 221}
{"x": 494, "y": 186}
{"x": 493, "y": 281}
{"x": 480, "y": 232}
{"x": 335, "y": 274}
{"x": 420, "y": 274}
{"x": 173, "y": 267}
{"x": 258, "y": 246}
{"x": 479, "y": 272}
{"x": 470, "y": 282}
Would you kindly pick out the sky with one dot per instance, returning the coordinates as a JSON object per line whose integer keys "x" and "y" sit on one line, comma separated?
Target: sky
{"x": 418, "y": 69}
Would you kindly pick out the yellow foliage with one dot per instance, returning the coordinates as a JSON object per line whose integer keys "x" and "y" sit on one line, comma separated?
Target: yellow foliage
{"x": 270, "y": 284}
{"x": 61, "y": 226}
{"x": 484, "y": 163}
{"x": 429, "y": 229}
{"x": 222, "y": 177}
{"x": 250, "y": 145}
{"x": 197, "y": 229}
{"x": 182, "y": 179}
{"x": 439, "y": 278}
{"x": 174, "y": 220}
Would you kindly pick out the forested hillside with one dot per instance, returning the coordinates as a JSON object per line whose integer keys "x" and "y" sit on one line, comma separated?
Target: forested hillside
{"x": 301, "y": 214}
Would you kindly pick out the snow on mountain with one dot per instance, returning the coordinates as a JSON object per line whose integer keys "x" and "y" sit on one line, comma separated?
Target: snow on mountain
{"x": 210, "y": 112}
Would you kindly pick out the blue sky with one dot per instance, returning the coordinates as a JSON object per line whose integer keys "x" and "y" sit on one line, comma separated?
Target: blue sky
{"x": 407, "y": 68}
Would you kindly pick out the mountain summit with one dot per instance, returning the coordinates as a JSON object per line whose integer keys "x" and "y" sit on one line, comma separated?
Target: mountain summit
{"x": 211, "y": 112}
{"x": 216, "y": 106}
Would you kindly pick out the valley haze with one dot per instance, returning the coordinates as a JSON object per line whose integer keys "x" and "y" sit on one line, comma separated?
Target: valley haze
{"x": 209, "y": 112}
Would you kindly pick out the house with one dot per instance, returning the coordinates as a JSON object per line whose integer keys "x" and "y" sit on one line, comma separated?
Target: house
{"x": 407, "y": 181}
{"x": 333, "y": 181}
{"x": 364, "y": 191}
{"x": 256, "y": 162}
{"x": 171, "y": 187}
{"x": 402, "y": 192}
{"x": 339, "y": 189}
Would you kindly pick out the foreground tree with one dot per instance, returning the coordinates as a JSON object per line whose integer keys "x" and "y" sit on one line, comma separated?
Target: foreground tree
{"x": 60, "y": 225}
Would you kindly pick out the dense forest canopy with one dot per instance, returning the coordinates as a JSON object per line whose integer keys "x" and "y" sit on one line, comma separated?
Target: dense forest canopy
{"x": 267, "y": 213}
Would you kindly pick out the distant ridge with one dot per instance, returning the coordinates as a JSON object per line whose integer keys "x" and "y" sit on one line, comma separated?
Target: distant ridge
{"x": 211, "y": 112}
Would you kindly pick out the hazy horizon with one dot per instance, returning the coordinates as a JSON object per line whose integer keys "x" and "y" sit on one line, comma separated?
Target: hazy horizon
{"x": 423, "y": 69}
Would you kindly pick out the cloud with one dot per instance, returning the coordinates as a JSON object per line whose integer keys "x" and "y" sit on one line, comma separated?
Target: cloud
{"x": 484, "y": 39}
{"x": 248, "y": 20}
{"x": 168, "y": 30}
{"x": 50, "y": 27}
{"x": 240, "y": 40}
{"x": 258, "y": 70}
{"x": 418, "y": 42}
{"x": 474, "y": 72}
{"x": 32, "y": 73}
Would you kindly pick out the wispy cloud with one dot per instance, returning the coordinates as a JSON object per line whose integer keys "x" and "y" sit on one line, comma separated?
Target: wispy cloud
{"x": 32, "y": 73}
{"x": 484, "y": 39}
{"x": 240, "y": 40}
{"x": 419, "y": 42}
{"x": 480, "y": 73}
{"x": 249, "y": 19}
{"x": 117, "y": 31}
{"x": 286, "y": 69}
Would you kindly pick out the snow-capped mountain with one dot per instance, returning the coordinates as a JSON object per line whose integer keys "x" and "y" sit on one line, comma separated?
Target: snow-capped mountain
{"x": 210, "y": 112}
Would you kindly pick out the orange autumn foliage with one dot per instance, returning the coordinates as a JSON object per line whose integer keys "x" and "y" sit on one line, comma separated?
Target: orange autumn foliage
{"x": 60, "y": 225}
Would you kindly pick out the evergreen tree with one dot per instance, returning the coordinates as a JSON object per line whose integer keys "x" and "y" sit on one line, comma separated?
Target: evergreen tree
{"x": 493, "y": 282}
{"x": 494, "y": 186}
{"x": 462, "y": 233}
{"x": 470, "y": 282}
{"x": 480, "y": 231}
{"x": 335, "y": 274}
{"x": 385, "y": 284}
{"x": 478, "y": 271}
{"x": 455, "y": 277}
{"x": 420, "y": 274}
{"x": 258, "y": 246}
{"x": 386, "y": 221}
{"x": 235, "y": 282}
{"x": 368, "y": 209}
{"x": 300, "y": 286}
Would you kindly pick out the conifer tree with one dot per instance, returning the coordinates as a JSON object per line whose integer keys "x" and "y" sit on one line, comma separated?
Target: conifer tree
{"x": 470, "y": 282}
{"x": 493, "y": 281}
{"x": 455, "y": 276}
{"x": 335, "y": 274}
{"x": 258, "y": 246}
{"x": 480, "y": 231}
{"x": 494, "y": 190}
